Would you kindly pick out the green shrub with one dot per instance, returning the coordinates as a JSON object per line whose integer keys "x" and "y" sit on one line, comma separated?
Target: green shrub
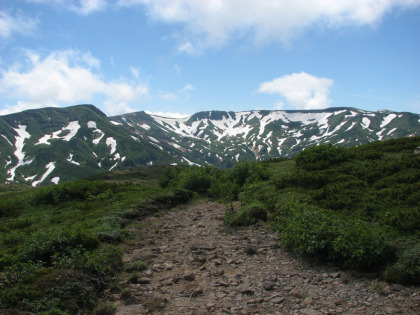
{"x": 75, "y": 190}
{"x": 406, "y": 269}
{"x": 321, "y": 157}
{"x": 11, "y": 207}
{"x": 325, "y": 235}
{"x": 247, "y": 215}
{"x": 137, "y": 266}
{"x": 194, "y": 178}
{"x": 105, "y": 309}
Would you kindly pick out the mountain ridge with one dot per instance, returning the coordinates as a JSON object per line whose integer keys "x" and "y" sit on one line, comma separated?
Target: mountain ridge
{"x": 41, "y": 146}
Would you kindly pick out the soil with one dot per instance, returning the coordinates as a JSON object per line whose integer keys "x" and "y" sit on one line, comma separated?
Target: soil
{"x": 197, "y": 265}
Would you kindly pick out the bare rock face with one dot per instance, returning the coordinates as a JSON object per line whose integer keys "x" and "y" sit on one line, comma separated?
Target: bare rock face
{"x": 196, "y": 266}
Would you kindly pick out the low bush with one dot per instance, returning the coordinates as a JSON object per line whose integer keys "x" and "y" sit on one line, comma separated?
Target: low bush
{"x": 406, "y": 269}
{"x": 247, "y": 215}
{"x": 325, "y": 235}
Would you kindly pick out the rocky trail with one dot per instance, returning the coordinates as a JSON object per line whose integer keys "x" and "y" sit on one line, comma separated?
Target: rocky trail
{"x": 196, "y": 265}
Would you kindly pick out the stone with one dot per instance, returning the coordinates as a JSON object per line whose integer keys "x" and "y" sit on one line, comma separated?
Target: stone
{"x": 250, "y": 249}
{"x": 309, "y": 311}
{"x": 189, "y": 276}
{"x": 245, "y": 289}
{"x": 202, "y": 247}
{"x": 296, "y": 293}
{"x": 271, "y": 278}
{"x": 277, "y": 300}
{"x": 143, "y": 280}
{"x": 308, "y": 301}
{"x": 268, "y": 285}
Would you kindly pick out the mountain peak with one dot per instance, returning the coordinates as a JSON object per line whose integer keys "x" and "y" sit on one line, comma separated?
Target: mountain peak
{"x": 51, "y": 145}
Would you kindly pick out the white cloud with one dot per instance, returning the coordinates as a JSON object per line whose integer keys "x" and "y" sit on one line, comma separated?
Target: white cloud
{"x": 21, "y": 106}
{"x": 65, "y": 78}
{"x": 185, "y": 92}
{"x": 301, "y": 90}
{"x": 135, "y": 72}
{"x": 82, "y": 7}
{"x": 279, "y": 105}
{"x": 187, "y": 88}
{"x": 214, "y": 22}
{"x": 167, "y": 114}
{"x": 10, "y": 24}
{"x": 169, "y": 96}
{"x": 187, "y": 48}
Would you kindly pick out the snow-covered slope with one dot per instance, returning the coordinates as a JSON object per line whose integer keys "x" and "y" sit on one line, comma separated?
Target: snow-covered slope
{"x": 51, "y": 145}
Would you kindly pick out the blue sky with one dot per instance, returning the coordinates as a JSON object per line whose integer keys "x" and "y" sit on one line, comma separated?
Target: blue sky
{"x": 185, "y": 56}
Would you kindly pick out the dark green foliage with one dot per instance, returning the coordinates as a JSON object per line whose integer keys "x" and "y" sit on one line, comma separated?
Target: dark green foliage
{"x": 321, "y": 157}
{"x": 406, "y": 269}
{"x": 324, "y": 235}
{"x": 247, "y": 215}
{"x": 58, "y": 250}
{"x": 357, "y": 201}
{"x": 79, "y": 190}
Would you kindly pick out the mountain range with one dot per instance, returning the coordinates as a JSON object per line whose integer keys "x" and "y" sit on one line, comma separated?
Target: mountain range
{"x": 51, "y": 145}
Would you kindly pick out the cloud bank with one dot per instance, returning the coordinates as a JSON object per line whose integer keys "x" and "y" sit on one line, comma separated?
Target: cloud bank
{"x": 65, "y": 78}
{"x": 82, "y": 7}
{"x": 10, "y": 24}
{"x": 212, "y": 23}
{"x": 301, "y": 90}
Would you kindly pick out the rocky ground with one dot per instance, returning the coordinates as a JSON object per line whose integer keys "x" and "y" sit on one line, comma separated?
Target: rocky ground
{"x": 196, "y": 265}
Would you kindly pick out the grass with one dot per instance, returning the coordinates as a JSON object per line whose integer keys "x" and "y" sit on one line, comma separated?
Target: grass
{"x": 75, "y": 229}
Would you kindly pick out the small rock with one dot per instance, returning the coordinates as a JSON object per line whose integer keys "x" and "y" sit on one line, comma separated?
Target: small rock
{"x": 250, "y": 249}
{"x": 268, "y": 285}
{"x": 296, "y": 293}
{"x": 309, "y": 311}
{"x": 277, "y": 300}
{"x": 271, "y": 278}
{"x": 245, "y": 289}
{"x": 202, "y": 247}
{"x": 189, "y": 276}
{"x": 143, "y": 280}
{"x": 308, "y": 301}
{"x": 398, "y": 287}
{"x": 335, "y": 275}
{"x": 176, "y": 278}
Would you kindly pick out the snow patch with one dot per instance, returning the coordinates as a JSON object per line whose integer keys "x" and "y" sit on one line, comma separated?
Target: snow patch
{"x": 20, "y": 141}
{"x": 115, "y": 123}
{"x": 91, "y": 124}
{"x": 113, "y": 166}
{"x": 72, "y": 127}
{"x": 101, "y": 135}
{"x": 387, "y": 120}
{"x": 144, "y": 126}
{"x": 391, "y": 131}
{"x": 70, "y": 159}
{"x": 111, "y": 142}
{"x": 50, "y": 167}
{"x": 55, "y": 180}
{"x": 365, "y": 123}
{"x": 351, "y": 127}
{"x": 7, "y": 140}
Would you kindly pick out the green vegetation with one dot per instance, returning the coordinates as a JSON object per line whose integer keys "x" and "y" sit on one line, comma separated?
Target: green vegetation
{"x": 359, "y": 208}
{"x": 59, "y": 244}
{"x": 356, "y": 207}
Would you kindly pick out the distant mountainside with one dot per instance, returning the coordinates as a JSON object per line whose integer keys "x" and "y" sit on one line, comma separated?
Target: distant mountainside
{"x": 47, "y": 145}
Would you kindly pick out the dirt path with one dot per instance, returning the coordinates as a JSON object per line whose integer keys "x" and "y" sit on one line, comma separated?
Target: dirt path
{"x": 196, "y": 265}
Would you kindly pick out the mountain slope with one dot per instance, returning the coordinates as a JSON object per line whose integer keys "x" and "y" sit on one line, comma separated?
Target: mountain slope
{"x": 57, "y": 144}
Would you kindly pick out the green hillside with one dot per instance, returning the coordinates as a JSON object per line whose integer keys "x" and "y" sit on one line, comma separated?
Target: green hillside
{"x": 358, "y": 208}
